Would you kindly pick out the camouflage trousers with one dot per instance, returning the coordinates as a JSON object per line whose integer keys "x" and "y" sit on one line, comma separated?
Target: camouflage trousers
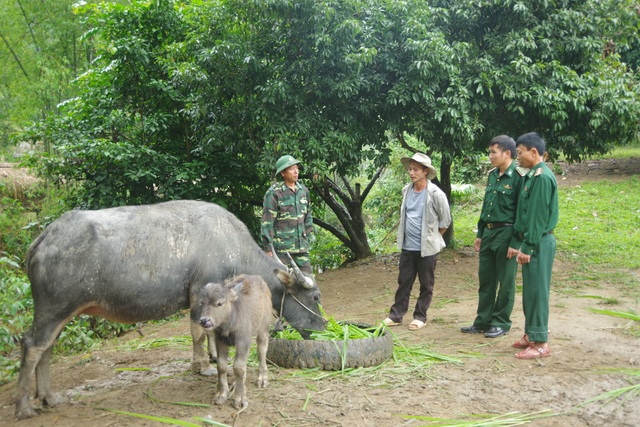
{"x": 301, "y": 259}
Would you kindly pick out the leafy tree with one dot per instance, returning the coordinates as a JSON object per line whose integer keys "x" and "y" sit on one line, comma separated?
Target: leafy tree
{"x": 41, "y": 51}
{"x": 198, "y": 99}
{"x": 128, "y": 137}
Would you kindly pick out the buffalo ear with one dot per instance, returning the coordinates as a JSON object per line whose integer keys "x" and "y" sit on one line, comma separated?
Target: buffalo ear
{"x": 234, "y": 291}
{"x": 285, "y": 278}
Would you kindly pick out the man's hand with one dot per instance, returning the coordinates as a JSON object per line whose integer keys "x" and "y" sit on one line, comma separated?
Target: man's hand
{"x": 523, "y": 259}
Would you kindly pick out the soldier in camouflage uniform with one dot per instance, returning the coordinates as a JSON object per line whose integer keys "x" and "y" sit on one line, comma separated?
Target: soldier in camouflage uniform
{"x": 497, "y": 272}
{"x": 287, "y": 225}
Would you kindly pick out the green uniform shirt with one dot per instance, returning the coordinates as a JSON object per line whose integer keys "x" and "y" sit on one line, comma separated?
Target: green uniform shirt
{"x": 537, "y": 208}
{"x": 501, "y": 197}
{"x": 286, "y": 219}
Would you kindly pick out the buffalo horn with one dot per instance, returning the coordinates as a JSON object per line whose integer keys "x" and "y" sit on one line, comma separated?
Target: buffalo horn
{"x": 275, "y": 255}
{"x": 305, "y": 281}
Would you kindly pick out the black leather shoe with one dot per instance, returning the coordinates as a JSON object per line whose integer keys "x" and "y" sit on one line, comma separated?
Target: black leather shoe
{"x": 472, "y": 330}
{"x": 494, "y": 332}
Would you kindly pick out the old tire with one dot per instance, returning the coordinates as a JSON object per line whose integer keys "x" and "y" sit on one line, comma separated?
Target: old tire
{"x": 327, "y": 355}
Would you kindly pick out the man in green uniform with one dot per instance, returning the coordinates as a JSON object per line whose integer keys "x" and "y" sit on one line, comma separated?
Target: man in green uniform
{"x": 496, "y": 272}
{"x": 535, "y": 246}
{"x": 287, "y": 225}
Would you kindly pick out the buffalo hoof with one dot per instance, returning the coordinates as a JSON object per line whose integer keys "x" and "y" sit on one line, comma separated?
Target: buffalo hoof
{"x": 208, "y": 372}
{"x": 241, "y": 404}
{"x": 24, "y": 413}
{"x": 220, "y": 400}
{"x": 203, "y": 368}
{"x": 263, "y": 382}
{"x": 55, "y": 400}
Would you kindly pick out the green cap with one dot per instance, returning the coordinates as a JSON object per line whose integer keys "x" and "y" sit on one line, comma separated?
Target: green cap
{"x": 284, "y": 162}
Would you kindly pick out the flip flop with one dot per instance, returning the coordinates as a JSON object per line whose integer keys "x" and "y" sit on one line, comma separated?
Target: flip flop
{"x": 533, "y": 352}
{"x": 390, "y": 322}
{"x": 416, "y": 324}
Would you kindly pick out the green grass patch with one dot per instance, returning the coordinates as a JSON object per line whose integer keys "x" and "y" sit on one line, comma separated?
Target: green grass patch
{"x": 600, "y": 223}
{"x": 624, "y": 152}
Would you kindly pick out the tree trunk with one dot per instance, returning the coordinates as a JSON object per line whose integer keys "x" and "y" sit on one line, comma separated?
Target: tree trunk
{"x": 346, "y": 203}
{"x": 445, "y": 185}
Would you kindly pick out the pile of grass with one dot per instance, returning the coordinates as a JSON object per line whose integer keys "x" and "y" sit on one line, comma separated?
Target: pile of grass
{"x": 335, "y": 331}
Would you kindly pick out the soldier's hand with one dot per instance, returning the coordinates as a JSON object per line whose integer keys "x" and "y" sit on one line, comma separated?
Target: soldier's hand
{"x": 523, "y": 259}
{"x": 512, "y": 253}
{"x": 476, "y": 244}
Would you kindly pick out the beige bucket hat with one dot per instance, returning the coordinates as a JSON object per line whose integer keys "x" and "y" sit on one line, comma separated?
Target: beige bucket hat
{"x": 424, "y": 160}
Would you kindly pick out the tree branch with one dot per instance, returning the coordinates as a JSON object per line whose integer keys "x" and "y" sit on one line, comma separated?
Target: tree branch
{"x": 15, "y": 56}
{"x": 333, "y": 230}
{"x": 26, "y": 21}
{"x": 373, "y": 180}
{"x": 341, "y": 194}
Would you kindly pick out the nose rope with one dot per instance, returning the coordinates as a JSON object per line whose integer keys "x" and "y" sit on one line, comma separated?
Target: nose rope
{"x": 284, "y": 294}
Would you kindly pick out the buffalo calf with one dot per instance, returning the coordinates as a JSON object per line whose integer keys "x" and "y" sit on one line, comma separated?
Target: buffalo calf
{"x": 235, "y": 312}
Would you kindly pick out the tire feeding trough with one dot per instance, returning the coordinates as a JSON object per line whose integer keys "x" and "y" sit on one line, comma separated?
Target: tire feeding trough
{"x": 359, "y": 347}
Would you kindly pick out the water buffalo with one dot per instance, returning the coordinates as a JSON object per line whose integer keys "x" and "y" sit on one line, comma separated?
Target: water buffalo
{"x": 234, "y": 313}
{"x": 138, "y": 263}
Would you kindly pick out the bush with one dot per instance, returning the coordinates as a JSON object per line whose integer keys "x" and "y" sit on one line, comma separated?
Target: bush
{"x": 16, "y": 311}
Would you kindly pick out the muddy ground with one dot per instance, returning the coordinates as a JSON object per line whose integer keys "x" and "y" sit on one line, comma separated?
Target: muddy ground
{"x": 486, "y": 380}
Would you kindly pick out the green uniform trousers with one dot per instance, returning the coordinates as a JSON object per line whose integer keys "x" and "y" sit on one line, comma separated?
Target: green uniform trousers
{"x": 536, "y": 283}
{"x": 497, "y": 280}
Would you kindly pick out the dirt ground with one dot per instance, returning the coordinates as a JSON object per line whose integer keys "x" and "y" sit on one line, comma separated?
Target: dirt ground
{"x": 488, "y": 379}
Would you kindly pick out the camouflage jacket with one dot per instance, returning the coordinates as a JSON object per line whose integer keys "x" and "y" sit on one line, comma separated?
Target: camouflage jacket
{"x": 286, "y": 219}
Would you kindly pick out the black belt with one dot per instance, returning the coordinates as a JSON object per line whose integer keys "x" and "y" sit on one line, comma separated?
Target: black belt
{"x": 492, "y": 225}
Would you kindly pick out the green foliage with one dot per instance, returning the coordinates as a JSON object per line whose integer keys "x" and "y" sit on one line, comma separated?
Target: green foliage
{"x": 471, "y": 168}
{"x": 84, "y": 332}
{"x": 16, "y": 308}
{"x": 197, "y": 100}
{"x": 40, "y": 53}
{"x": 328, "y": 252}
{"x": 15, "y": 238}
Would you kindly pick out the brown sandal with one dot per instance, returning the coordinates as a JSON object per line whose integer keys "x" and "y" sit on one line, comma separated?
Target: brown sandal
{"x": 522, "y": 343}
{"x": 533, "y": 352}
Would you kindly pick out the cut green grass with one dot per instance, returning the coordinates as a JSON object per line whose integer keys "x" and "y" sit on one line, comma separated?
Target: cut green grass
{"x": 407, "y": 362}
{"x": 183, "y": 341}
{"x": 167, "y": 420}
{"x": 617, "y": 313}
{"x": 484, "y": 420}
{"x": 622, "y": 394}
{"x": 335, "y": 331}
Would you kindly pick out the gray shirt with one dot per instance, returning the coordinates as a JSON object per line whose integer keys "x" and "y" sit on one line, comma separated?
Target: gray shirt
{"x": 414, "y": 210}
{"x": 436, "y": 215}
